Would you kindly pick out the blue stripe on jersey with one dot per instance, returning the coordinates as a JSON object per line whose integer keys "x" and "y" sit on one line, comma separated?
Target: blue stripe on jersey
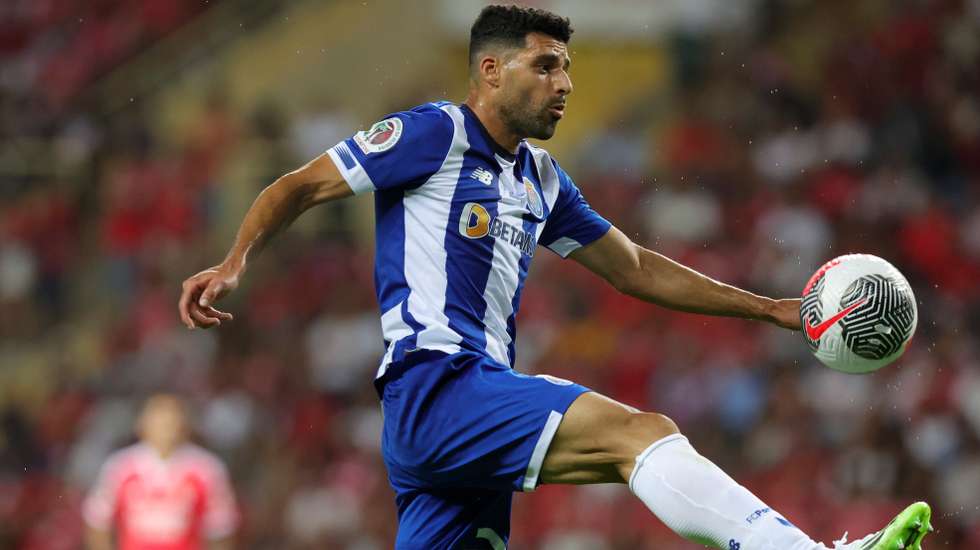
{"x": 472, "y": 259}
{"x": 410, "y": 342}
{"x": 345, "y": 157}
{"x": 389, "y": 264}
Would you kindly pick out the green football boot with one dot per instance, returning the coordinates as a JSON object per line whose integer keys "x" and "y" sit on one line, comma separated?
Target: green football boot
{"x": 905, "y": 532}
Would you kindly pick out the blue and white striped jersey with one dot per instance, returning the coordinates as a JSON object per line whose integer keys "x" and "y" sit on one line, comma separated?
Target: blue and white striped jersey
{"x": 458, "y": 220}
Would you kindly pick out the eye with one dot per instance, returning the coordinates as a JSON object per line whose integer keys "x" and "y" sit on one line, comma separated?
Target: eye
{"x": 542, "y": 69}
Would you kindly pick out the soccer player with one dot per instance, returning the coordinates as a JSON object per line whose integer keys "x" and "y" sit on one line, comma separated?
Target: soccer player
{"x": 163, "y": 492}
{"x": 462, "y": 201}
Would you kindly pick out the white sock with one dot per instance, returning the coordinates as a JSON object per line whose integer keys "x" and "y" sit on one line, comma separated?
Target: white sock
{"x": 702, "y": 503}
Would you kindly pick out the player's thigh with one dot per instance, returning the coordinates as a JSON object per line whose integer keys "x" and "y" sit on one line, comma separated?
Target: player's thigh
{"x": 598, "y": 440}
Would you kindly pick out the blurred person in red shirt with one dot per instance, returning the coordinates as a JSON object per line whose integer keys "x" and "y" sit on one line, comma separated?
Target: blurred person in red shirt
{"x": 162, "y": 493}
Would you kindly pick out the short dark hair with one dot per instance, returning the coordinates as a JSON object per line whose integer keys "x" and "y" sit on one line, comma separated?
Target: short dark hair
{"x": 510, "y": 25}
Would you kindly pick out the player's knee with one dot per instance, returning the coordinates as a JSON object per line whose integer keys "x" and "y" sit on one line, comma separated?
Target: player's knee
{"x": 641, "y": 429}
{"x": 646, "y": 427}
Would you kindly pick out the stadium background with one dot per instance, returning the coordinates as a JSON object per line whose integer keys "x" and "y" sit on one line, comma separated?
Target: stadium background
{"x": 752, "y": 140}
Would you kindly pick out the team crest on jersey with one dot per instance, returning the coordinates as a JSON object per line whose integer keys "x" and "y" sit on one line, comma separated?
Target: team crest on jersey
{"x": 380, "y": 137}
{"x": 533, "y": 199}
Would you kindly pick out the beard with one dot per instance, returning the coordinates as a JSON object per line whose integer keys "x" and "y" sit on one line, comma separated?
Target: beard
{"x": 528, "y": 120}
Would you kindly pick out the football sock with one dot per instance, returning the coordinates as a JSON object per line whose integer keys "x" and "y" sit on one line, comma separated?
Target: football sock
{"x": 702, "y": 503}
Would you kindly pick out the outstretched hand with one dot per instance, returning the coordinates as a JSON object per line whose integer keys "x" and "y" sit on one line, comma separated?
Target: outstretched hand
{"x": 786, "y": 313}
{"x": 201, "y": 291}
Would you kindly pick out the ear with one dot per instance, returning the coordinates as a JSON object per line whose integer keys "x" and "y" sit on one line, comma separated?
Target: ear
{"x": 489, "y": 69}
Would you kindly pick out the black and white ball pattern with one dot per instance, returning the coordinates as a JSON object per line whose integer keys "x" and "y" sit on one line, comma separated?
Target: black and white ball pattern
{"x": 882, "y": 324}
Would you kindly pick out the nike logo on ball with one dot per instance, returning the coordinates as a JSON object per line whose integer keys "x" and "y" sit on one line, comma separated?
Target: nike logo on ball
{"x": 814, "y": 332}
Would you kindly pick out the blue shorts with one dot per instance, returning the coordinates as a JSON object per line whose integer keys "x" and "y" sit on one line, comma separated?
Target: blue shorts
{"x": 461, "y": 433}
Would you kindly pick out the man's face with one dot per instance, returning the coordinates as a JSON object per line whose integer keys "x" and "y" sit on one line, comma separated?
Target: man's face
{"x": 163, "y": 423}
{"x": 534, "y": 82}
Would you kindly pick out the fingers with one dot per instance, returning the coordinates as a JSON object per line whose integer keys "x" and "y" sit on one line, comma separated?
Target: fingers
{"x": 220, "y": 315}
{"x": 190, "y": 288}
{"x": 194, "y": 307}
{"x": 210, "y": 293}
{"x": 201, "y": 319}
{"x": 208, "y": 317}
{"x": 785, "y": 313}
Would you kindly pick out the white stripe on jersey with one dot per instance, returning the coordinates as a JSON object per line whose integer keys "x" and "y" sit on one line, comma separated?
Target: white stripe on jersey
{"x": 547, "y": 175}
{"x": 394, "y": 328}
{"x": 565, "y": 246}
{"x": 504, "y": 275}
{"x": 426, "y": 219}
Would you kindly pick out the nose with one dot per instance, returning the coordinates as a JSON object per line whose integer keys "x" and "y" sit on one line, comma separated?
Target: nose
{"x": 563, "y": 84}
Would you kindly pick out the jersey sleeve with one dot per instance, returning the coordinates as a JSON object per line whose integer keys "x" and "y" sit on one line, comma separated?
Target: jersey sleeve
{"x": 572, "y": 223}
{"x": 220, "y": 512}
{"x": 400, "y": 152}
{"x": 99, "y": 506}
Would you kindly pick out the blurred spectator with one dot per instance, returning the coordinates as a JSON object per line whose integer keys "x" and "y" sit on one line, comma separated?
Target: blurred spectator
{"x": 162, "y": 492}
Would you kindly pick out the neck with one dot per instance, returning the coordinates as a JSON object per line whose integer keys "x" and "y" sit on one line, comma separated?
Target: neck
{"x": 491, "y": 121}
{"x": 164, "y": 451}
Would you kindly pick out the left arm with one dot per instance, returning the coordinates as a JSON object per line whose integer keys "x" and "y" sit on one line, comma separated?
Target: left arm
{"x": 652, "y": 277}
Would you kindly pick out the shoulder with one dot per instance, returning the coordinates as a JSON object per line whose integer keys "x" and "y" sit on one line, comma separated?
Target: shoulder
{"x": 433, "y": 120}
{"x": 126, "y": 456}
{"x": 124, "y": 461}
{"x": 201, "y": 461}
{"x": 429, "y": 115}
{"x": 427, "y": 124}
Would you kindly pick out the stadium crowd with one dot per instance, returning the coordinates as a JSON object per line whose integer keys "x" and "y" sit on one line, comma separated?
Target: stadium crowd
{"x": 822, "y": 131}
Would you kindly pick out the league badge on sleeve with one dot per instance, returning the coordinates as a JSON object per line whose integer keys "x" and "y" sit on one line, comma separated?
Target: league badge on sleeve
{"x": 380, "y": 137}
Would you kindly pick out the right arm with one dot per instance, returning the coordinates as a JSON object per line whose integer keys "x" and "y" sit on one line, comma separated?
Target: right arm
{"x": 274, "y": 209}
{"x": 405, "y": 148}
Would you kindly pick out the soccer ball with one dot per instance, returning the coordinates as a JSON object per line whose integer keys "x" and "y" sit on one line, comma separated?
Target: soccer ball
{"x": 858, "y": 313}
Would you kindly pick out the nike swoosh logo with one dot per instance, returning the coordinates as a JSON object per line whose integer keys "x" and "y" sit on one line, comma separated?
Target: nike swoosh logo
{"x": 816, "y": 331}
